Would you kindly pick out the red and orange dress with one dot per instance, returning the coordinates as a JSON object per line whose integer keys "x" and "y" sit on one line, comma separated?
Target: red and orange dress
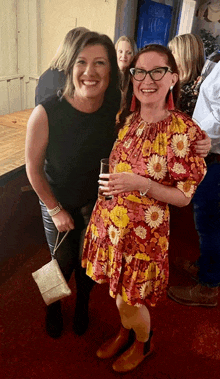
{"x": 127, "y": 239}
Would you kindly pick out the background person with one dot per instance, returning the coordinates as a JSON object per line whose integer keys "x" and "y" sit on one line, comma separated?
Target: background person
{"x": 125, "y": 49}
{"x": 53, "y": 79}
{"x": 66, "y": 138}
{"x": 153, "y": 164}
{"x": 206, "y": 204}
{"x": 188, "y": 51}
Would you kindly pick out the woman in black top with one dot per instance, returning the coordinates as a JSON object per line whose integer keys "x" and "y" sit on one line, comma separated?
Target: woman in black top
{"x": 67, "y": 136}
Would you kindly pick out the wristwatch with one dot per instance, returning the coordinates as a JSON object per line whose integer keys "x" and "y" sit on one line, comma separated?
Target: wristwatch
{"x": 54, "y": 211}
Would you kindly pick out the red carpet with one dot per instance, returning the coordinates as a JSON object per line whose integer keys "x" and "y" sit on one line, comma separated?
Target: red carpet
{"x": 187, "y": 339}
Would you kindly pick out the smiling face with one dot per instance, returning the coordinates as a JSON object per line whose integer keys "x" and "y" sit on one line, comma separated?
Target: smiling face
{"x": 148, "y": 91}
{"x": 91, "y": 73}
{"x": 124, "y": 54}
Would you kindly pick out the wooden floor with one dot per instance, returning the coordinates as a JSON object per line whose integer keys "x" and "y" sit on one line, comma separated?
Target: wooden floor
{"x": 21, "y": 227}
{"x": 12, "y": 140}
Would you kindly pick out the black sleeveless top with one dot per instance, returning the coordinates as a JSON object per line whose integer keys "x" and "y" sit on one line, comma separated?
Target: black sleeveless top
{"x": 77, "y": 142}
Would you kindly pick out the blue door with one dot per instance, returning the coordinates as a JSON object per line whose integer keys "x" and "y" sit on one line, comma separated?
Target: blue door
{"x": 154, "y": 22}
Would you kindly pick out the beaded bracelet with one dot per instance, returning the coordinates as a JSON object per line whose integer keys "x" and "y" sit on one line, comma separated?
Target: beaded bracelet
{"x": 147, "y": 189}
{"x": 54, "y": 211}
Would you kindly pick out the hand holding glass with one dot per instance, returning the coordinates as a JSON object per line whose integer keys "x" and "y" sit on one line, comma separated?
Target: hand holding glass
{"x": 104, "y": 169}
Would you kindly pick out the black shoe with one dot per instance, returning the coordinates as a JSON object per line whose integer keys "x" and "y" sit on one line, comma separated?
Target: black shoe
{"x": 147, "y": 345}
{"x": 81, "y": 317}
{"x": 54, "y": 320}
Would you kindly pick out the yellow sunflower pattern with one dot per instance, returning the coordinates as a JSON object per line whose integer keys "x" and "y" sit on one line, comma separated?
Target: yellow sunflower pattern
{"x": 127, "y": 239}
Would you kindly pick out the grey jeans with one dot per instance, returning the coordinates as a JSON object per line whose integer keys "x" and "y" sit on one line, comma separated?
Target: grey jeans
{"x": 69, "y": 253}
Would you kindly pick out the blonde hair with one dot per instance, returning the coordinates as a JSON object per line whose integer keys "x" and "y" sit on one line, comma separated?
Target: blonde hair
{"x": 130, "y": 41}
{"x": 188, "y": 50}
{"x": 59, "y": 60}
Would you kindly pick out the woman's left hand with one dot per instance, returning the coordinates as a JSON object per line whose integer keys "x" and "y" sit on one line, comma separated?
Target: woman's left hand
{"x": 121, "y": 182}
{"x": 203, "y": 146}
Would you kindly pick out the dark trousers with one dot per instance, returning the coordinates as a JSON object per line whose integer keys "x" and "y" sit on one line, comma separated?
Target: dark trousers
{"x": 206, "y": 203}
{"x": 69, "y": 253}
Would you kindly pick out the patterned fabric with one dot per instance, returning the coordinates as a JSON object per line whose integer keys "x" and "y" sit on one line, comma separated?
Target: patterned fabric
{"x": 127, "y": 239}
{"x": 188, "y": 96}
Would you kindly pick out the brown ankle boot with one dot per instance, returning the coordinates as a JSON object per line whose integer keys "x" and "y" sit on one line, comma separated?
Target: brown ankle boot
{"x": 198, "y": 295}
{"x": 134, "y": 355}
{"x": 114, "y": 344}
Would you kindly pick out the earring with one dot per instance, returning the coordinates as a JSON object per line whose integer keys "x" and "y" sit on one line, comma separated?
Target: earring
{"x": 133, "y": 103}
{"x": 170, "y": 102}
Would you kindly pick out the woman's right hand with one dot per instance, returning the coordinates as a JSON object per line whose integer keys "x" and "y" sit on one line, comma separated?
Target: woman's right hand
{"x": 63, "y": 221}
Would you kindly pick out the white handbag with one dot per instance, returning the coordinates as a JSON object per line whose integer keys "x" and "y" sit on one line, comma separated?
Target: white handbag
{"x": 50, "y": 280}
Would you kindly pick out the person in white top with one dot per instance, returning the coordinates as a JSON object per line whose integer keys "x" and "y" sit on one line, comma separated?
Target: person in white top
{"x": 207, "y": 109}
{"x": 206, "y": 202}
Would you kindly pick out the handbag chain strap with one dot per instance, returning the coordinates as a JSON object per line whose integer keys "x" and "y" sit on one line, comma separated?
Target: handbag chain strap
{"x": 58, "y": 244}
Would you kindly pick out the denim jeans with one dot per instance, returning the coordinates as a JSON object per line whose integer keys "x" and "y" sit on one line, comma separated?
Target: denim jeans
{"x": 206, "y": 203}
{"x": 69, "y": 253}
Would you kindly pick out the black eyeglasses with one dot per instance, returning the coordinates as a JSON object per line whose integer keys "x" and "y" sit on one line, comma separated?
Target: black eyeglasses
{"x": 156, "y": 74}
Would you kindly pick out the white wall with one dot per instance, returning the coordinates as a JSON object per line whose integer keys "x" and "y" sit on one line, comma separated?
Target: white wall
{"x": 57, "y": 20}
{"x": 30, "y": 33}
{"x": 11, "y": 86}
{"x": 19, "y": 59}
{"x": 8, "y": 36}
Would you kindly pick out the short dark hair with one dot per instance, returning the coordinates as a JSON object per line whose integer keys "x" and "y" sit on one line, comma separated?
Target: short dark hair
{"x": 91, "y": 39}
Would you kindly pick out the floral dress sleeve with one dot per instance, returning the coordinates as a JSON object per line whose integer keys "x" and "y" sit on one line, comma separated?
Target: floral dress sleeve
{"x": 186, "y": 169}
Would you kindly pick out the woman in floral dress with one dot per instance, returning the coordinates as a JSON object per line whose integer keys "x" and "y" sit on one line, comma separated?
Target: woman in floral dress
{"x": 152, "y": 164}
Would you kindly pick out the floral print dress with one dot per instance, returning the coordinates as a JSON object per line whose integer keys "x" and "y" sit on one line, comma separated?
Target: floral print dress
{"x": 127, "y": 239}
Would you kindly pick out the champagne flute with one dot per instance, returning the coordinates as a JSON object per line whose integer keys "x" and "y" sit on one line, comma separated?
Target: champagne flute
{"x": 104, "y": 169}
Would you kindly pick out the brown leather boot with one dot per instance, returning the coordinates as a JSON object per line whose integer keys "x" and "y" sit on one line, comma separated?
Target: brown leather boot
{"x": 198, "y": 295}
{"x": 134, "y": 355}
{"x": 114, "y": 344}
